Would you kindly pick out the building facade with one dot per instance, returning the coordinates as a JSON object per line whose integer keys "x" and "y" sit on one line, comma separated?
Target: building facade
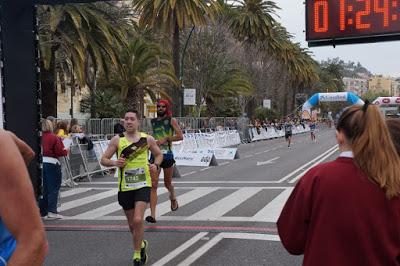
{"x": 358, "y": 86}
{"x": 381, "y": 85}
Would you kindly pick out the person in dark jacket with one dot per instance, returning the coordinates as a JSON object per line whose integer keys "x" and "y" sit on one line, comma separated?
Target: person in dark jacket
{"x": 119, "y": 127}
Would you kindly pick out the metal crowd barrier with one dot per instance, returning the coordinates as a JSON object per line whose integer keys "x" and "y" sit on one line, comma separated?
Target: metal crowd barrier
{"x": 105, "y": 126}
{"x": 82, "y": 163}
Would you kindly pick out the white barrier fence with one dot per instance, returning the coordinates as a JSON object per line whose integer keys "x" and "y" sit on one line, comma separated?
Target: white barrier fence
{"x": 84, "y": 163}
{"x": 218, "y": 139}
{"x": 271, "y": 132}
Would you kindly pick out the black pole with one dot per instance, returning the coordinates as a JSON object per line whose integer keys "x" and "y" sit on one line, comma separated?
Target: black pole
{"x": 181, "y": 71}
{"x": 21, "y": 88}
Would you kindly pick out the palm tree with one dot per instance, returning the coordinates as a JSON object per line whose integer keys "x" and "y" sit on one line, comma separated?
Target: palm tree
{"x": 223, "y": 84}
{"x": 74, "y": 39}
{"x": 172, "y": 16}
{"x": 144, "y": 68}
{"x": 252, "y": 21}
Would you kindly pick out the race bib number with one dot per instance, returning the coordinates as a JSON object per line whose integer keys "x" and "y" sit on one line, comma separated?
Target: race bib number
{"x": 135, "y": 178}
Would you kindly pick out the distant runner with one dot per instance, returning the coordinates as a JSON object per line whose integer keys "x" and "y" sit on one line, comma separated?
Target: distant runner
{"x": 288, "y": 131}
{"x": 313, "y": 126}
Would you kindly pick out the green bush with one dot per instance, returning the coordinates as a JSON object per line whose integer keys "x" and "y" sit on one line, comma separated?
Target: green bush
{"x": 264, "y": 113}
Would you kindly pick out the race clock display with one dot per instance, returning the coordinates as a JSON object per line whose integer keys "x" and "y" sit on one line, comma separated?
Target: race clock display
{"x": 351, "y": 21}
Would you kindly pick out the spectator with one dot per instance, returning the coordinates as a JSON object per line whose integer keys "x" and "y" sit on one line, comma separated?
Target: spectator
{"x": 53, "y": 120}
{"x": 62, "y": 129}
{"x": 119, "y": 127}
{"x": 22, "y": 236}
{"x": 346, "y": 212}
{"x": 53, "y": 148}
{"x": 394, "y": 130}
{"x": 72, "y": 123}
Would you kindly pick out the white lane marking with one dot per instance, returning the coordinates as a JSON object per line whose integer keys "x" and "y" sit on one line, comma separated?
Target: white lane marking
{"x": 272, "y": 210}
{"x": 306, "y": 164}
{"x": 319, "y": 161}
{"x": 258, "y": 153}
{"x": 190, "y": 173}
{"x": 203, "y": 169}
{"x": 180, "y": 249}
{"x": 104, "y": 210}
{"x": 203, "y": 249}
{"x": 224, "y": 163}
{"x": 184, "y": 199}
{"x": 213, "y": 212}
{"x": 82, "y": 201}
{"x": 270, "y": 161}
{"x": 248, "y": 156}
{"x": 266, "y": 151}
{"x": 74, "y": 191}
{"x": 224, "y": 205}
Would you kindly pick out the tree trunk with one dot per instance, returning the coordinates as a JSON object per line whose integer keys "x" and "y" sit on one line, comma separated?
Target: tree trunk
{"x": 132, "y": 100}
{"x": 91, "y": 82}
{"x": 175, "y": 92}
{"x": 49, "y": 87}
{"x": 210, "y": 107}
{"x": 141, "y": 102}
{"x": 251, "y": 106}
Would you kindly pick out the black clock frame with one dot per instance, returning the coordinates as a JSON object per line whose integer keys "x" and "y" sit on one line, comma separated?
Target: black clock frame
{"x": 384, "y": 37}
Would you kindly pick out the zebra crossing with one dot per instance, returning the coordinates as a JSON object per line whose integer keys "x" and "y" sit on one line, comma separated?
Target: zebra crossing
{"x": 217, "y": 203}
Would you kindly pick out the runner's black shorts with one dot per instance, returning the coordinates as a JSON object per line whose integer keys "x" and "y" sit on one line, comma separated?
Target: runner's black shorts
{"x": 127, "y": 199}
{"x": 166, "y": 163}
{"x": 288, "y": 134}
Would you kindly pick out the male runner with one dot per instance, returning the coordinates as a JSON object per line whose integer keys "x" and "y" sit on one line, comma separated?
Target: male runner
{"x": 165, "y": 131}
{"x": 312, "y": 130}
{"x": 22, "y": 236}
{"x": 288, "y": 131}
{"x": 134, "y": 180}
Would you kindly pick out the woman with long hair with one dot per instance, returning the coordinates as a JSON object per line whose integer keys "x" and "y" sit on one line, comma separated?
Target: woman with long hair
{"x": 347, "y": 212}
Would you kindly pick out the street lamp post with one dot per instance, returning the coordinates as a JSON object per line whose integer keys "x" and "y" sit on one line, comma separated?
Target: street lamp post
{"x": 181, "y": 72}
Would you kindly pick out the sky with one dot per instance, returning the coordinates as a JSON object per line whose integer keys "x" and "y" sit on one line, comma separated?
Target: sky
{"x": 379, "y": 58}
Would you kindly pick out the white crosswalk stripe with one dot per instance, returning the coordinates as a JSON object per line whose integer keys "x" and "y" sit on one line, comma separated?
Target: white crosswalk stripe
{"x": 219, "y": 208}
{"x": 265, "y": 212}
{"x": 271, "y": 211}
{"x": 89, "y": 199}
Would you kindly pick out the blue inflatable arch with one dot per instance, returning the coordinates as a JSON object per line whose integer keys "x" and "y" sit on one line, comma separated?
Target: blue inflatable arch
{"x": 329, "y": 97}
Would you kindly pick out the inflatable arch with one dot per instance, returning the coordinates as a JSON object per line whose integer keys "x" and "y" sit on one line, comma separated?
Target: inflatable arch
{"x": 329, "y": 97}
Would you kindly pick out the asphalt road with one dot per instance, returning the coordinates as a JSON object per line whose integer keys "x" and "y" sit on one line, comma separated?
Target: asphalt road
{"x": 227, "y": 213}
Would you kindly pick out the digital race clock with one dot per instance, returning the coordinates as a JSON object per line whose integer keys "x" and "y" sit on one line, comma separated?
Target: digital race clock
{"x": 351, "y": 21}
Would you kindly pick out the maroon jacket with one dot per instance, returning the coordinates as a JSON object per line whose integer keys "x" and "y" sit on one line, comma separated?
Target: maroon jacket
{"x": 336, "y": 216}
{"x": 52, "y": 146}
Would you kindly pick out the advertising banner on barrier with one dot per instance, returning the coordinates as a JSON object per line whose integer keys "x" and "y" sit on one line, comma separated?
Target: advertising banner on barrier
{"x": 221, "y": 153}
{"x": 226, "y": 154}
{"x": 195, "y": 159}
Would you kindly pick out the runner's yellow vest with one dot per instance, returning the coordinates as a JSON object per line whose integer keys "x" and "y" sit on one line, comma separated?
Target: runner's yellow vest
{"x": 136, "y": 173}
